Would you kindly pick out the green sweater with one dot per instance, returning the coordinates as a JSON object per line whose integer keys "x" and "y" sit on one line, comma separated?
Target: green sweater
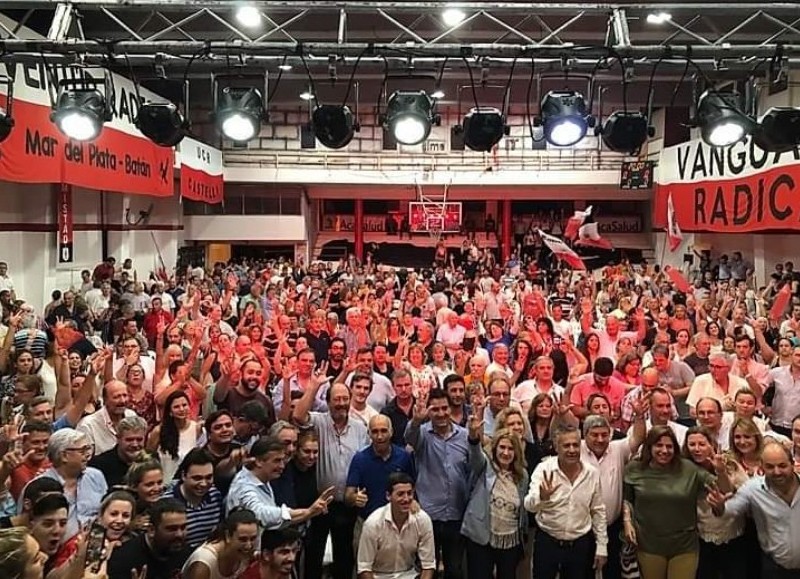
{"x": 665, "y": 506}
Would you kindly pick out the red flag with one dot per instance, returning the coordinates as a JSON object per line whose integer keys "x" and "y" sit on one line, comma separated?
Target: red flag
{"x": 676, "y": 277}
{"x": 574, "y": 223}
{"x": 673, "y": 229}
{"x": 589, "y": 235}
{"x": 781, "y": 301}
{"x": 562, "y": 251}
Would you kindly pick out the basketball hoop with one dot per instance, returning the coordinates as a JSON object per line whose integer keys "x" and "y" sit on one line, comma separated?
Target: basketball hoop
{"x": 434, "y": 223}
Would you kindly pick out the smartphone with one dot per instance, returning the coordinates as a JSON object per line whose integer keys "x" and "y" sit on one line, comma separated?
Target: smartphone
{"x": 95, "y": 546}
{"x": 7, "y": 410}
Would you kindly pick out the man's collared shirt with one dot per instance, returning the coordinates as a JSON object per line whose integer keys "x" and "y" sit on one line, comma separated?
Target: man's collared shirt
{"x": 100, "y": 430}
{"x": 611, "y": 467}
{"x": 202, "y": 518}
{"x": 386, "y": 550}
{"x": 84, "y": 505}
{"x": 336, "y": 450}
{"x": 249, "y": 492}
{"x": 371, "y": 472}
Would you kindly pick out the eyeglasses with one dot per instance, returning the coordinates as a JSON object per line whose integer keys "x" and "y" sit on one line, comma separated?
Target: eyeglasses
{"x": 718, "y": 366}
{"x": 88, "y": 449}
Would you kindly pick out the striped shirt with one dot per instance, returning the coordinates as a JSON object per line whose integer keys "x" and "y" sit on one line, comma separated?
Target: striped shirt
{"x": 201, "y": 519}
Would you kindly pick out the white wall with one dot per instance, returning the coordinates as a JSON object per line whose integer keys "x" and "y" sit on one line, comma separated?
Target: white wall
{"x": 272, "y": 228}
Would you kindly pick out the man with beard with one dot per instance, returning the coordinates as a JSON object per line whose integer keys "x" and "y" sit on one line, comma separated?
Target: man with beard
{"x": 247, "y": 387}
{"x": 279, "y": 552}
{"x": 394, "y": 537}
{"x": 101, "y": 427}
{"x": 336, "y": 356}
{"x": 160, "y": 552}
{"x": 114, "y": 463}
{"x": 340, "y": 438}
{"x": 772, "y": 501}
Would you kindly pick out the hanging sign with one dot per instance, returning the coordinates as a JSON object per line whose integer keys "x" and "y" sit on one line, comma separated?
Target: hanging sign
{"x": 65, "y": 226}
{"x": 201, "y": 171}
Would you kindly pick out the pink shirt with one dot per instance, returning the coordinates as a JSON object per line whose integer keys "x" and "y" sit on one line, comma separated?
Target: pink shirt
{"x": 614, "y": 391}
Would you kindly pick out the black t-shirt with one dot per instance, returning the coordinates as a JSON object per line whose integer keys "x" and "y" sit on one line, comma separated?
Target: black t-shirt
{"x": 135, "y": 554}
{"x": 112, "y": 467}
{"x": 697, "y": 364}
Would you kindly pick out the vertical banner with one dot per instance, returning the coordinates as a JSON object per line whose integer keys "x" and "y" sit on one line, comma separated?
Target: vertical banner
{"x": 201, "y": 171}
{"x": 65, "y": 227}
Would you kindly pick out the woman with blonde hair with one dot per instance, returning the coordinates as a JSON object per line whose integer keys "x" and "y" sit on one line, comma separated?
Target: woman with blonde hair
{"x": 20, "y": 557}
{"x": 495, "y": 521}
{"x": 145, "y": 479}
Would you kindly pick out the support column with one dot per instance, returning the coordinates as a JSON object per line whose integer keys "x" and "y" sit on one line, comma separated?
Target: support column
{"x": 358, "y": 229}
{"x": 506, "y": 231}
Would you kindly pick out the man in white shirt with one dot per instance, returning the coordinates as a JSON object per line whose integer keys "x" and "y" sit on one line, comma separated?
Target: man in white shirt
{"x": 451, "y": 334}
{"x": 394, "y": 538}
{"x": 612, "y": 334}
{"x": 567, "y": 500}
{"x": 719, "y": 384}
{"x": 6, "y": 283}
{"x": 786, "y": 402}
{"x": 101, "y": 427}
{"x": 661, "y": 411}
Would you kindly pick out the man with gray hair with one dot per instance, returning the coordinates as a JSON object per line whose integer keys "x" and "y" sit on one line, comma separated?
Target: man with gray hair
{"x": 719, "y": 384}
{"x": 84, "y": 487}
{"x": 114, "y": 463}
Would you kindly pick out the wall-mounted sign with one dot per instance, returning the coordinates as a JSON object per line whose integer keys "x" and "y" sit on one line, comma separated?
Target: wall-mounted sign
{"x": 64, "y": 243}
{"x": 201, "y": 171}
{"x": 636, "y": 175}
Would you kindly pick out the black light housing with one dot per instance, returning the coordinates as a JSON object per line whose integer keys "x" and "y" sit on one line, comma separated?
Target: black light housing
{"x": 564, "y": 117}
{"x": 625, "y": 132}
{"x": 6, "y": 115}
{"x": 162, "y": 123}
{"x": 409, "y": 116}
{"x": 239, "y": 113}
{"x": 483, "y": 128}
{"x": 778, "y": 130}
{"x": 720, "y": 118}
{"x": 80, "y": 112}
{"x": 334, "y": 126}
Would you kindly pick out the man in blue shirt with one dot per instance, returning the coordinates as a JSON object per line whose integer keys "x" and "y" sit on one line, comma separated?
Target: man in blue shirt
{"x": 370, "y": 468}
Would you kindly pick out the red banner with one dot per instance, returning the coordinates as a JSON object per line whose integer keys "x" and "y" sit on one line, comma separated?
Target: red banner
{"x": 65, "y": 227}
{"x": 37, "y": 152}
{"x": 733, "y": 190}
{"x": 201, "y": 171}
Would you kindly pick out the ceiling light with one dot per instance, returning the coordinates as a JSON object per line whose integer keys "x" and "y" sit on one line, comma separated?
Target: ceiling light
{"x": 625, "y": 132}
{"x": 80, "y": 113}
{"x": 248, "y": 16}
{"x": 239, "y": 113}
{"x": 307, "y": 95}
{"x": 438, "y": 94}
{"x": 409, "y": 116}
{"x": 483, "y": 128}
{"x": 285, "y": 67}
{"x": 162, "y": 123}
{"x": 334, "y": 126}
{"x": 658, "y": 17}
{"x": 720, "y": 118}
{"x": 6, "y": 124}
{"x": 778, "y": 130}
{"x": 564, "y": 118}
{"x": 453, "y": 16}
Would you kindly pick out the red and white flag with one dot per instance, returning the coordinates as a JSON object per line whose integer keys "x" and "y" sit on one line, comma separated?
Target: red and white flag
{"x": 575, "y": 222}
{"x": 589, "y": 235}
{"x": 674, "y": 234}
{"x": 678, "y": 280}
{"x": 562, "y": 251}
{"x": 782, "y": 299}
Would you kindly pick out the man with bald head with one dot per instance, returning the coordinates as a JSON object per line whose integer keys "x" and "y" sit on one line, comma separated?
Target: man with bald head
{"x": 101, "y": 427}
{"x": 650, "y": 380}
{"x": 340, "y": 438}
{"x": 370, "y": 468}
{"x": 773, "y": 500}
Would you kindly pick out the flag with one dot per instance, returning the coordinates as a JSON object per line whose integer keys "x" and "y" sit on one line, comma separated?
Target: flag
{"x": 673, "y": 230}
{"x": 574, "y": 223}
{"x": 678, "y": 280}
{"x": 589, "y": 235}
{"x": 781, "y": 301}
{"x": 562, "y": 251}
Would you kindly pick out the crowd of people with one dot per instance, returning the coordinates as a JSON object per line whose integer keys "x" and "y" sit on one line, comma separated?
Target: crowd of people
{"x": 265, "y": 420}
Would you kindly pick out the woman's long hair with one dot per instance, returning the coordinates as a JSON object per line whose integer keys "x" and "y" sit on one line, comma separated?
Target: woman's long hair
{"x": 169, "y": 436}
{"x": 518, "y": 471}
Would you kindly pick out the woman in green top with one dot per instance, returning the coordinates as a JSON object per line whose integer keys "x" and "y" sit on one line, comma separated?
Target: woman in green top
{"x": 661, "y": 491}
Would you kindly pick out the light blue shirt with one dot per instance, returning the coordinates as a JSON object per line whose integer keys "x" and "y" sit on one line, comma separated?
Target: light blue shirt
{"x": 84, "y": 505}
{"x": 442, "y": 466}
{"x": 778, "y": 524}
{"x": 249, "y": 492}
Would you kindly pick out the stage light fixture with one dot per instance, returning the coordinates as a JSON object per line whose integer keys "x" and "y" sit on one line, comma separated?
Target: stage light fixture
{"x": 239, "y": 113}
{"x": 79, "y": 113}
{"x": 625, "y": 132}
{"x": 248, "y": 16}
{"x": 438, "y": 94}
{"x": 285, "y": 67}
{"x": 453, "y": 16}
{"x": 778, "y": 130}
{"x": 162, "y": 123}
{"x": 6, "y": 124}
{"x": 564, "y": 118}
{"x": 483, "y": 128}
{"x": 658, "y": 17}
{"x": 307, "y": 95}
{"x": 334, "y": 126}
{"x": 721, "y": 120}
{"x": 409, "y": 116}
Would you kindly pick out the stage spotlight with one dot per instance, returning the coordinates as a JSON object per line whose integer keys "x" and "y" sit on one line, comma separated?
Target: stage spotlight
{"x": 721, "y": 120}
{"x": 483, "y": 128}
{"x": 453, "y": 16}
{"x": 248, "y": 16}
{"x": 565, "y": 118}
{"x": 80, "y": 113}
{"x": 6, "y": 124}
{"x": 409, "y": 116}
{"x": 438, "y": 94}
{"x": 778, "y": 130}
{"x": 625, "y": 132}
{"x": 161, "y": 123}
{"x": 658, "y": 17}
{"x": 239, "y": 113}
{"x": 334, "y": 126}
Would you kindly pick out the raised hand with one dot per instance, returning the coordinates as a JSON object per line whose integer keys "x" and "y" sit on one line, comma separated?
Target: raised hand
{"x": 476, "y": 423}
{"x": 420, "y": 411}
{"x": 630, "y": 533}
{"x": 718, "y": 461}
{"x": 548, "y": 487}
{"x": 320, "y": 506}
{"x": 321, "y": 373}
{"x": 716, "y": 498}
{"x": 361, "y": 498}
